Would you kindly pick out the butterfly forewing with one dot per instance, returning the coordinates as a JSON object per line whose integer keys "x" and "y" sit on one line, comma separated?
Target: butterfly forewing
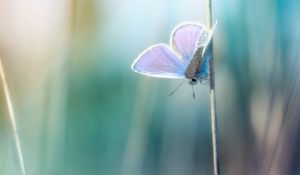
{"x": 184, "y": 38}
{"x": 159, "y": 61}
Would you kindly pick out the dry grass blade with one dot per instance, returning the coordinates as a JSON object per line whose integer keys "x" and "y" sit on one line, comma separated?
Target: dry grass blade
{"x": 213, "y": 114}
{"x": 12, "y": 118}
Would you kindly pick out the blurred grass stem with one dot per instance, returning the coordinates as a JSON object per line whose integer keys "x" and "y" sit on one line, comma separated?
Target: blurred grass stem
{"x": 12, "y": 118}
{"x": 213, "y": 114}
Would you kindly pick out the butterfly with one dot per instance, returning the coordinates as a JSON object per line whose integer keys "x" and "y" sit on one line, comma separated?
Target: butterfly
{"x": 187, "y": 55}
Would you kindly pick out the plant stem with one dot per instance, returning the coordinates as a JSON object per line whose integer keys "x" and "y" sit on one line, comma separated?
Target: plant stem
{"x": 213, "y": 114}
{"x": 12, "y": 119}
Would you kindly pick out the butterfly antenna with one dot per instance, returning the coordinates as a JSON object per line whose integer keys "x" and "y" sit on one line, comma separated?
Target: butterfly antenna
{"x": 193, "y": 92}
{"x": 176, "y": 88}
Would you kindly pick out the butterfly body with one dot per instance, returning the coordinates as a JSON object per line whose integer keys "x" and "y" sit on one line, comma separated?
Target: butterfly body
{"x": 187, "y": 56}
{"x": 194, "y": 71}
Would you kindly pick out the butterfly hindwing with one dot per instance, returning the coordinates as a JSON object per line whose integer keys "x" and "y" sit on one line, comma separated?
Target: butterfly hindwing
{"x": 207, "y": 53}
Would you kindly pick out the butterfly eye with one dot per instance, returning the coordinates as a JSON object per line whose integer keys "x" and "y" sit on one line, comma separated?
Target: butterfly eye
{"x": 193, "y": 81}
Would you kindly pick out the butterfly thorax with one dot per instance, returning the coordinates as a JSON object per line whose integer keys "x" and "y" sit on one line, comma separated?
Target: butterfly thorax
{"x": 193, "y": 70}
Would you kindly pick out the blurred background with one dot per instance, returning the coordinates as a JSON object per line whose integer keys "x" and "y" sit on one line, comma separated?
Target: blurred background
{"x": 80, "y": 109}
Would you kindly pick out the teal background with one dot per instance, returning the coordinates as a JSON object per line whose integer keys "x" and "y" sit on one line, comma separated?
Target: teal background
{"x": 80, "y": 109}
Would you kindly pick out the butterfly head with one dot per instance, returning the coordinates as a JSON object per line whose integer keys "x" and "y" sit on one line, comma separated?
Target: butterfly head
{"x": 193, "y": 81}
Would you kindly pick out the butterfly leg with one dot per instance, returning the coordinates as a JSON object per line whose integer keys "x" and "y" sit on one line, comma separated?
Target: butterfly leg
{"x": 205, "y": 83}
{"x": 207, "y": 80}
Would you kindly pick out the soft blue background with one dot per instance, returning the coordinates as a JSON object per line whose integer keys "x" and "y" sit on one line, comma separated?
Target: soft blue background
{"x": 81, "y": 110}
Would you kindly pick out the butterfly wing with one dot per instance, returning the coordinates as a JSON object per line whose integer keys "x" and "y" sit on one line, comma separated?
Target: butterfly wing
{"x": 204, "y": 39}
{"x": 185, "y": 37}
{"x": 159, "y": 61}
{"x": 207, "y": 52}
{"x": 204, "y": 67}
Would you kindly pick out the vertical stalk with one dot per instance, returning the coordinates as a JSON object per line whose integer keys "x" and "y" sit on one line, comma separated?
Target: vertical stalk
{"x": 12, "y": 119}
{"x": 213, "y": 114}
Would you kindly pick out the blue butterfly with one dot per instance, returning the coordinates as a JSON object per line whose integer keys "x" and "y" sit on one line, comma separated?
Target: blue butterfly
{"x": 187, "y": 56}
